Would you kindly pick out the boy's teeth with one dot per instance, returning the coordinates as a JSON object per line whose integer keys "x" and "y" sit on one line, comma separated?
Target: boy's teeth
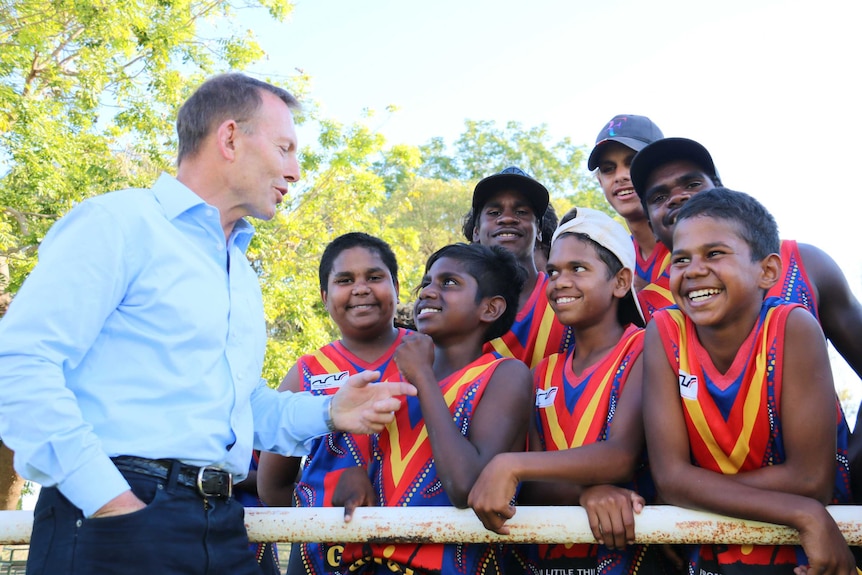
{"x": 423, "y": 311}
{"x": 703, "y": 293}
{"x": 565, "y": 299}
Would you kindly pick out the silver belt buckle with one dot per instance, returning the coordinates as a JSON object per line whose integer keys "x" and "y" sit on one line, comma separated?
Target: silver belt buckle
{"x": 199, "y": 482}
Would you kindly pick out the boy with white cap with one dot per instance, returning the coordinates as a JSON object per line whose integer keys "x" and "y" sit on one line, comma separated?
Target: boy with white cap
{"x": 588, "y": 432}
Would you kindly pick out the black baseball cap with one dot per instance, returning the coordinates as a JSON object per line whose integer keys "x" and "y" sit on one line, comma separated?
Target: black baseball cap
{"x": 511, "y": 178}
{"x": 632, "y": 131}
{"x": 669, "y": 150}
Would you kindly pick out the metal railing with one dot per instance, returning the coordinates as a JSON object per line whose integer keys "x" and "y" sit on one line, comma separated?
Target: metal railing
{"x": 656, "y": 524}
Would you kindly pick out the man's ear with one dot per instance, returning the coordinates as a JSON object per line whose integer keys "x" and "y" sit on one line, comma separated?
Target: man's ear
{"x": 476, "y": 233}
{"x": 323, "y": 296}
{"x": 492, "y": 308}
{"x": 622, "y": 283}
{"x": 770, "y": 271}
{"x": 226, "y": 135}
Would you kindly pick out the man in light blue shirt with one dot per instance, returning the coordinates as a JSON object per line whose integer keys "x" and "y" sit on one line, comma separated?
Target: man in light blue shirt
{"x": 130, "y": 359}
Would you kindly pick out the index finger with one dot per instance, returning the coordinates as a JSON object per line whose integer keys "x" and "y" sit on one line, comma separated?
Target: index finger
{"x": 396, "y": 388}
{"x": 494, "y": 521}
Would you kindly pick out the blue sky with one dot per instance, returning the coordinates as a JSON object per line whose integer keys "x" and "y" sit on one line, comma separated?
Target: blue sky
{"x": 770, "y": 87}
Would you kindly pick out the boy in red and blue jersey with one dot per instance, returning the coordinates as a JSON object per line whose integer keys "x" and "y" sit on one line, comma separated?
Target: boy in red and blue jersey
{"x": 740, "y": 411}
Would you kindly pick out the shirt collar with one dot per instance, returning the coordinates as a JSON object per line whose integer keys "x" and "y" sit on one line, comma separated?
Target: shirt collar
{"x": 176, "y": 198}
{"x": 242, "y": 233}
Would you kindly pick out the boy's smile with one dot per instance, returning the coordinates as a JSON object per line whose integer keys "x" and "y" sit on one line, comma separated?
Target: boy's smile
{"x": 507, "y": 220}
{"x": 447, "y": 299}
{"x": 578, "y": 285}
{"x": 426, "y": 309}
{"x": 712, "y": 276}
{"x": 361, "y": 293}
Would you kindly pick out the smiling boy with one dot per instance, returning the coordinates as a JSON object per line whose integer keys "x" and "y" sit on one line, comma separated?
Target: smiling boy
{"x": 616, "y": 145}
{"x": 359, "y": 286}
{"x": 508, "y": 208}
{"x": 740, "y": 412}
{"x": 471, "y": 405}
{"x": 587, "y": 436}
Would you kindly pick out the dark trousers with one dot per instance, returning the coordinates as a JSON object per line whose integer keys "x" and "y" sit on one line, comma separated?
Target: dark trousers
{"x": 179, "y": 532}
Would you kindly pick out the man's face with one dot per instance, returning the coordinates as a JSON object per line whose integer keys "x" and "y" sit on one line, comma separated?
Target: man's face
{"x": 668, "y": 187}
{"x": 507, "y": 220}
{"x": 614, "y": 178}
{"x": 265, "y": 159}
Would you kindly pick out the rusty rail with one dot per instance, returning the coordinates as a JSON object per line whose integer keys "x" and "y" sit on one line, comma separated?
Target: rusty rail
{"x": 656, "y": 524}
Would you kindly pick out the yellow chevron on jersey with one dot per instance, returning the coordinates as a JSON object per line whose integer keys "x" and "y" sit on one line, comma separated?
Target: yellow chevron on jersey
{"x": 399, "y": 458}
{"x": 655, "y": 296}
{"x": 544, "y": 336}
{"x": 536, "y": 332}
{"x": 500, "y": 347}
{"x": 665, "y": 263}
{"x": 325, "y": 362}
{"x": 586, "y": 424}
{"x": 728, "y": 463}
{"x": 508, "y": 345}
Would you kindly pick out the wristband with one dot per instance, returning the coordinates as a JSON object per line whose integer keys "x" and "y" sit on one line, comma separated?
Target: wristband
{"x": 327, "y": 416}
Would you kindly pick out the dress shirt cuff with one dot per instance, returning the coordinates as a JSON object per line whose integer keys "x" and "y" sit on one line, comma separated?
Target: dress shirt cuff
{"x": 327, "y": 415}
{"x": 315, "y": 411}
{"x": 92, "y": 485}
{"x": 324, "y": 418}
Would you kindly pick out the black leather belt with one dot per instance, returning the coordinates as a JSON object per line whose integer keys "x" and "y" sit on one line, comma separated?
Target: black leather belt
{"x": 207, "y": 481}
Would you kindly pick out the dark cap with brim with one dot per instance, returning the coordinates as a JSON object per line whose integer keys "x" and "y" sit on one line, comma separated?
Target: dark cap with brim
{"x": 516, "y": 179}
{"x": 631, "y": 131}
{"x": 668, "y": 150}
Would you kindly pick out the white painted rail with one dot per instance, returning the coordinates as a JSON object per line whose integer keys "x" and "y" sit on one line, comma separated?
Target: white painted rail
{"x": 656, "y": 524}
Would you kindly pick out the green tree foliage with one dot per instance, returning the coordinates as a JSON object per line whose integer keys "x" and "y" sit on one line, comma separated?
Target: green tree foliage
{"x": 485, "y": 148}
{"x": 88, "y": 94}
{"x": 431, "y": 186}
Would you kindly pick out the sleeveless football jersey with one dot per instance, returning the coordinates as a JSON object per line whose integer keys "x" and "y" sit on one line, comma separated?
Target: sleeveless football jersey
{"x": 322, "y": 373}
{"x": 734, "y": 422}
{"x": 575, "y": 410}
{"x": 651, "y": 268}
{"x": 794, "y": 286}
{"x": 404, "y": 475}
